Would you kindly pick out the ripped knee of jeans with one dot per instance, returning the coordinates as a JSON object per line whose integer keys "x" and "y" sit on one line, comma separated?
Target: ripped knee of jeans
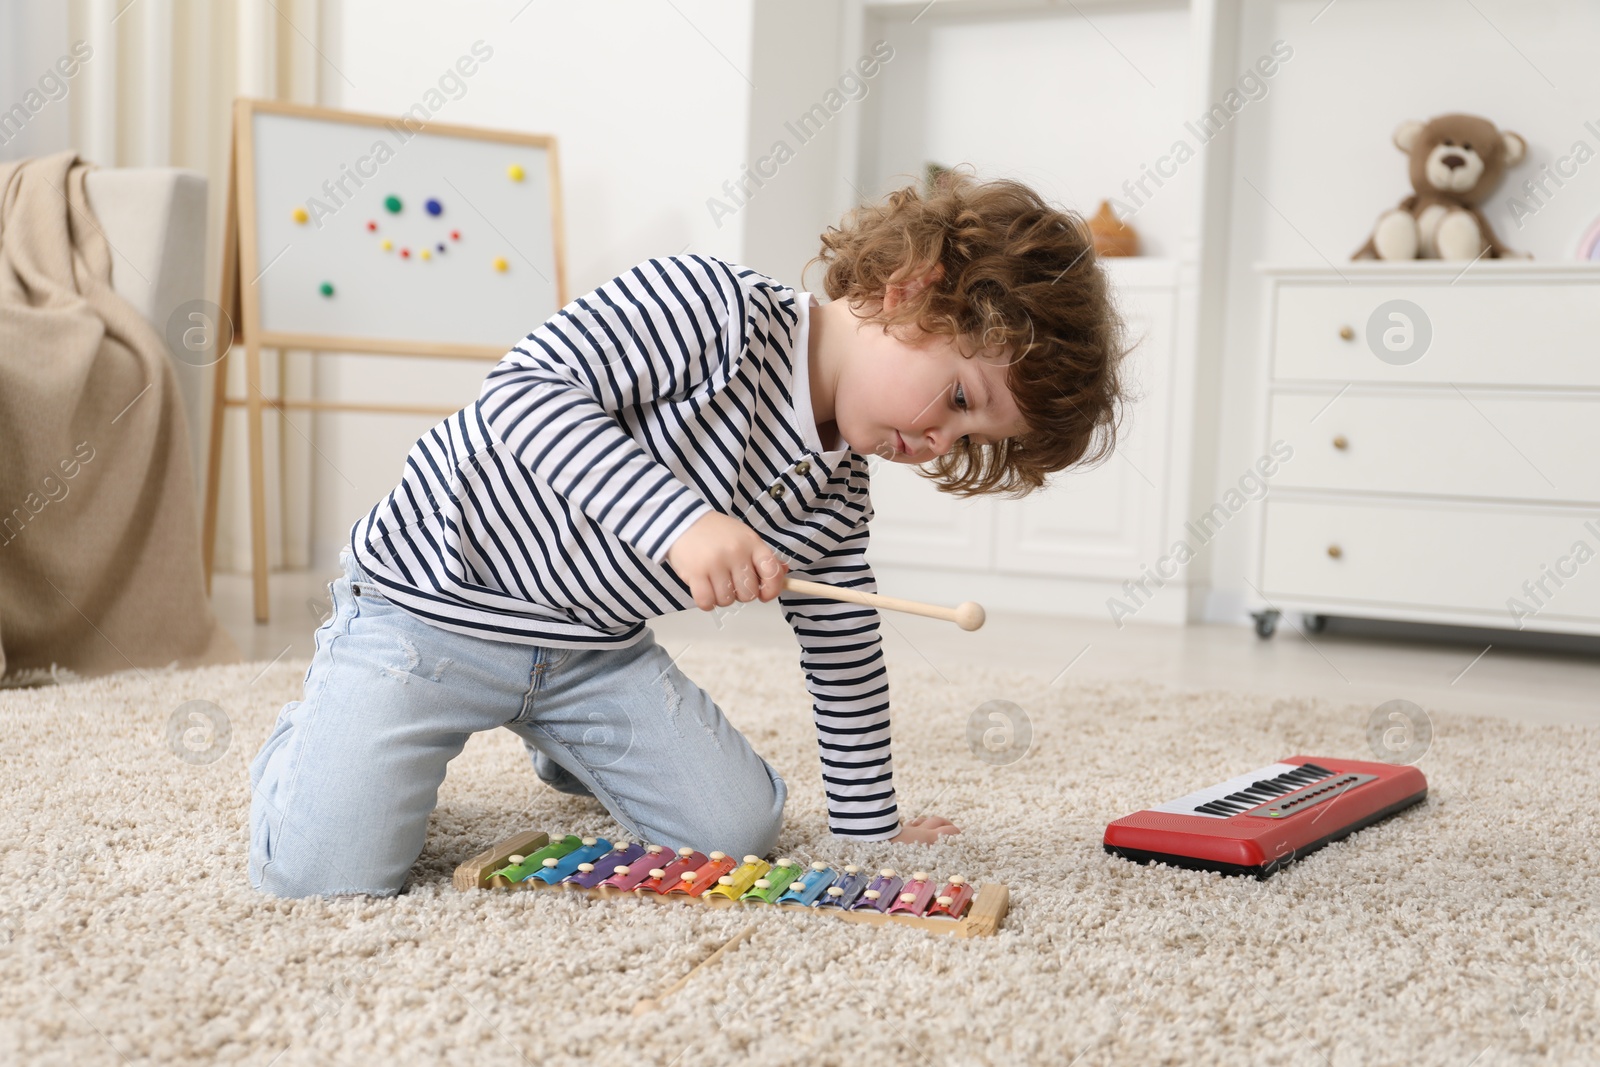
{"x": 675, "y": 705}
{"x": 412, "y": 658}
{"x": 674, "y": 701}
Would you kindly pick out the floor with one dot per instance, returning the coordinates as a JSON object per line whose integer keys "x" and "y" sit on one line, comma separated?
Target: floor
{"x": 1459, "y": 933}
{"x": 1489, "y": 673}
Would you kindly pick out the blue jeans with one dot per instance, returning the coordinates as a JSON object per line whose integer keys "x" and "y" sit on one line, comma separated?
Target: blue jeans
{"x": 342, "y": 790}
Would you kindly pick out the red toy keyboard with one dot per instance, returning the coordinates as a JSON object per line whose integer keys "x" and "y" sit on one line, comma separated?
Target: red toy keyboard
{"x": 1267, "y": 819}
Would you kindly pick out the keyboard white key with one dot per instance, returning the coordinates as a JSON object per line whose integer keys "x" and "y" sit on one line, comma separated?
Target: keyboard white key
{"x": 1186, "y": 805}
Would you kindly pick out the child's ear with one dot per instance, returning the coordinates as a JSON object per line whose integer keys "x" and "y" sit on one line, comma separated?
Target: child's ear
{"x": 895, "y": 293}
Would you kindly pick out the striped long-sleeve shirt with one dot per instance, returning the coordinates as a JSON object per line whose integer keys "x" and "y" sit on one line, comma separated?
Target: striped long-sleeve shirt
{"x": 543, "y": 512}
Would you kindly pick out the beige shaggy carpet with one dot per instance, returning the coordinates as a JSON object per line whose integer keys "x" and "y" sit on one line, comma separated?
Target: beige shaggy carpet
{"x": 1462, "y": 932}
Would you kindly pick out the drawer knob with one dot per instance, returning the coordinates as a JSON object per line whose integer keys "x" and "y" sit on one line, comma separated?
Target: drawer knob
{"x": 1334, "y": 551}
{"x": 1341, "y": 442}
{"x": 1347, "y": 333}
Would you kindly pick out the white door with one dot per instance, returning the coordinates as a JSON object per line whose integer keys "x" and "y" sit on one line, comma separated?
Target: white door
{"x": 1104, "y": 522}
{"x": 913, "y": 523}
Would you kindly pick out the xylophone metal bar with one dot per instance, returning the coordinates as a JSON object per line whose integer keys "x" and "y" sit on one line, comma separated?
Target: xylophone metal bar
{"x": 475, "y": 872}
{"x": 983, "y": 917}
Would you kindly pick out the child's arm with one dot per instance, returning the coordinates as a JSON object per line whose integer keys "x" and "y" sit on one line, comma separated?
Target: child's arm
{"x": 841, "y": 655}
{"x": 723, "y": 560}
{"x": 666, "y": 328}
{"x": 842, "y": 659}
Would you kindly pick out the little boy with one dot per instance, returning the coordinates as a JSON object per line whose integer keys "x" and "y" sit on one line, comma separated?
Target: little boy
{"x": 688, "y": 434}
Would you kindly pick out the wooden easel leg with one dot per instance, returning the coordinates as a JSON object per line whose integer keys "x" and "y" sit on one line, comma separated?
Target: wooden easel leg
{"x": 228, "y": 315}
{"x": 258, "y": 478}
{"x": 219, "y": 398}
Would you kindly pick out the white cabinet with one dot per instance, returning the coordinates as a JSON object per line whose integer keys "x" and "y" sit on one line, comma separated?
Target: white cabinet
{"x": 1069, "y": 547}
{"x": 1102, "y": 522}
{"x": 1445, "y": 427}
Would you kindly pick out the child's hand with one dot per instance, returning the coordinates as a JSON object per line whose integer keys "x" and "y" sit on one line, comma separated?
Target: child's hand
{"x": 723, "y": 560}
{"x": 928, "y": 830}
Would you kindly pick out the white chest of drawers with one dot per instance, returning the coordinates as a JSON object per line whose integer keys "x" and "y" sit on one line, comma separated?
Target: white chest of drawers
{"x": 1445, "y": 427}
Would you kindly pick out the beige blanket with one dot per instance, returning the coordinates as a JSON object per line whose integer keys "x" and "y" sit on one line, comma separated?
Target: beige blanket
{"x": 100, "y": 566}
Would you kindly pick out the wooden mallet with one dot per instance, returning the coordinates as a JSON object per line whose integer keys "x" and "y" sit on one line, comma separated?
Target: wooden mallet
{"x": 649, "y": 1004}
{"x": 968, "y": 616}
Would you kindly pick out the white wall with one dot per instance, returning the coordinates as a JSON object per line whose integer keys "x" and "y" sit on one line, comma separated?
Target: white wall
{"x": 649, "y": 103}
{"x": 1318, "y": 150}
{"x": 1070, "y": 106}
{"x": 656, "y": 106}
{"x": 32, "y": 37}
{"x": 798, "y": 57}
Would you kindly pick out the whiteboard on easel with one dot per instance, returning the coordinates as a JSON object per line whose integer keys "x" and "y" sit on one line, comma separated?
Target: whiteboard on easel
{"x": 389, "y": 235}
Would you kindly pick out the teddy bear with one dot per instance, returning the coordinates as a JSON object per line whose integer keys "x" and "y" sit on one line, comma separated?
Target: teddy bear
{"x": 1456, "y": 162}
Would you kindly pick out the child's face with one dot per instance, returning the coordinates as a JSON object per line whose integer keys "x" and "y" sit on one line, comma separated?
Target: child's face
{"x": 908, "y": 397}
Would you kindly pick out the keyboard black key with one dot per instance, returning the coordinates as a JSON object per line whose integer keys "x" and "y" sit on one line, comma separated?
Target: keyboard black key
{"x": 1270, "y": 786}
{"x": 1320, "y": 772}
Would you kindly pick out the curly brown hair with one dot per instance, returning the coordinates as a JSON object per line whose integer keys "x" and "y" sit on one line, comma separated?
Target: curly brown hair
{"x": 1010, "y": 273}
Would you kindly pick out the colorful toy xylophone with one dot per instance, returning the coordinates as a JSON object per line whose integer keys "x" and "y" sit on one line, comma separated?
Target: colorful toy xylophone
{"x": 1259, "y": 822}
{"x": 596, "y": 866}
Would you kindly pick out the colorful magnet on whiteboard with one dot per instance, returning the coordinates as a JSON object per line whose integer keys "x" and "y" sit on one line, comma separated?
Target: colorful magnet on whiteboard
{"x": 433, "y": 206}
{"x": 300, "y": 215}
{"x": 393, "y": 204}
{"x": 500, "y": 264}
{"x": 326, "y": 288}
{"x": 455, "y": 235}
{"x": 405, "y": 253}
{"x": 371, "y": 226}
{"x": 426, "y": 254}
{"x": 514, "y": 172}
{"x": 387, "y": 245}
{"x": 441, "y": 246}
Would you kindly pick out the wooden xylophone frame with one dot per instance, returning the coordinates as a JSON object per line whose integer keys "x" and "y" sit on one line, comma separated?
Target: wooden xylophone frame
{"x": 983, "y": 918}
